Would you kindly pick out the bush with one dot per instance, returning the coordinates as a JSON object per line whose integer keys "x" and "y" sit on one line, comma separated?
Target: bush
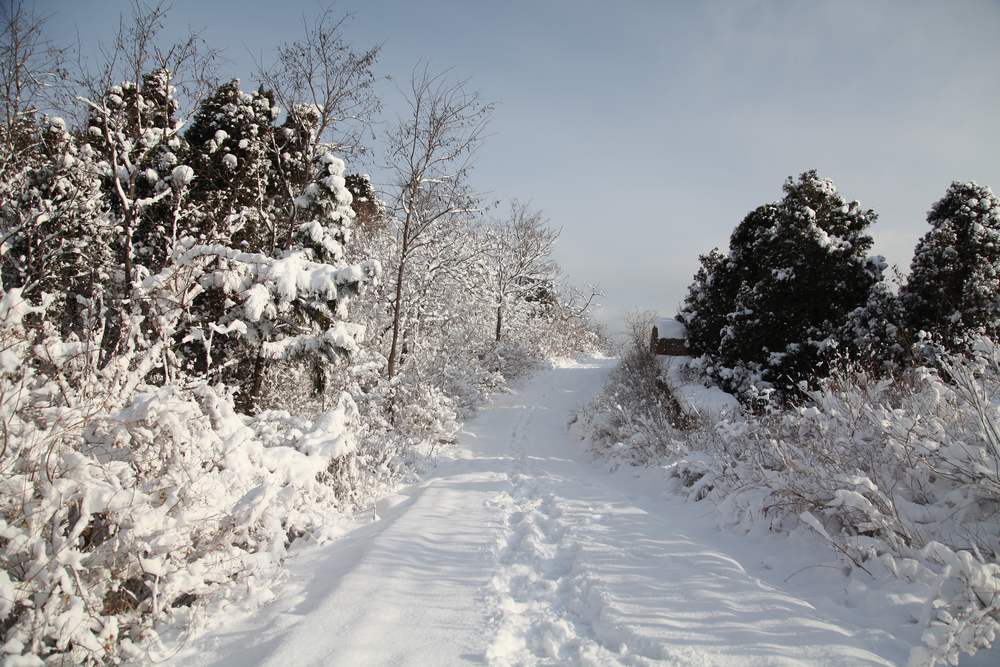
{"x": 635, "y": 415}
{"x": 902, "y": 477}
{"x": 120, "y": 513}
{"x": 899, "y": 474}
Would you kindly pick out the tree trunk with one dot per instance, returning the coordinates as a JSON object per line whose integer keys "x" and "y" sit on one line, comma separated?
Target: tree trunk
{"x": 397, "y": 306}
{"x": 396, "y": 310}
{"x": 499, "y": 321}
{"x": 249, "y": 398}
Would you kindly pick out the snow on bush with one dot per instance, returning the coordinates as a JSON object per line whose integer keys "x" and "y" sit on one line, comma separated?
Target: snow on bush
{"x": 634, "y": 417}
{"x": 182, "y": 392}
{"x": 115, "y": 519}
{"x": 901, "y": 476}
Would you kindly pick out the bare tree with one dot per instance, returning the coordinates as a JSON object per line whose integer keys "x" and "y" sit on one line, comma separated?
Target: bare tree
{"x": 323, "y": 76}
{"x": 32, "y": 71}
{"x": 430, "y": 152}
{"x": 327, "y": 88}
{"x": 520, "y": 257}
{"x": 137, "y": 50}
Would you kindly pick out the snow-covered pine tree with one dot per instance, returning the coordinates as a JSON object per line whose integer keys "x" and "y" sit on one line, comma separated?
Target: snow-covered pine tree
{"x": 291, "y": 306}
{"x": 795, "y": 270}
{"x": 55, "y": 226}
{"x": 135, "y": 132}
{"x": 954, "y": 283}
{"x": 369, "y": 209}
{"x": 709, "y": 300}
{"x": 876, "y": 333}
{"x": 231, "y": 143}
{"x": 233, "y": 205}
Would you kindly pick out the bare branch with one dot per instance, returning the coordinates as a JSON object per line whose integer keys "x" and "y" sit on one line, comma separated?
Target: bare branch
{"x": 321, "y": 75}
{"x": 430, "y": 153}
{"x": 32, "y": 70}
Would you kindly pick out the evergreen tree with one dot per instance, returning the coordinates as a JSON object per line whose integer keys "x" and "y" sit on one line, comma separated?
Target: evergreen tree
{"x": 369, "y": 209}
{"x": 803, "y": 266}
{"x": 954, "y": 282}
{"x": 231, "y": 139}
{"x": 877, "y": 332}
{"x": 134, "y": 130}
{"x": 57, "y": 229}
{"x": 288, "y": 306}
{"x": 795, "y": 270}
{"x": 708, "y": 302}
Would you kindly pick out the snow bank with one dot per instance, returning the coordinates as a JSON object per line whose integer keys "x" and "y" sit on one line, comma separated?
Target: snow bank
{"x": 898, "y": 476}
{"x": 696, "y": 398}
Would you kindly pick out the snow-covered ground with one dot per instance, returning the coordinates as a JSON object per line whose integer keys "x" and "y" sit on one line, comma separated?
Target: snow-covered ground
{"x": 520, "y": 549}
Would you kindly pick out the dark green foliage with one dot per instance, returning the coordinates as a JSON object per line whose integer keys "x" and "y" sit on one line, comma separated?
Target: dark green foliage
{"x": 231, "y": 151}
{"x": 137, "y": 125}
{"x": 775, "y": 307}
{"x": 244, "y": 220}
{"x": 877, "y": 335}
{"x": 954, "y": 284}
{"x": 707, "y": 304}
{"x": 368, "y": 208}
{"x": 58, "y": 235}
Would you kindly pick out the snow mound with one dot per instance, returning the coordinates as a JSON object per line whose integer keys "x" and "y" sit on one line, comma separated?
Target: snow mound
{"x": 694, "y": 397}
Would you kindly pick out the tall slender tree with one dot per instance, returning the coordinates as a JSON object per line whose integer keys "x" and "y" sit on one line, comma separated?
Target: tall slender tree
{"x": 430, "y": 151}
{"x": 519, "y": 251}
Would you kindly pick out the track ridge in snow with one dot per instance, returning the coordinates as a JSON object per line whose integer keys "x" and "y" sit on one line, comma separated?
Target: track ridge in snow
{"x": 545, "y": 603}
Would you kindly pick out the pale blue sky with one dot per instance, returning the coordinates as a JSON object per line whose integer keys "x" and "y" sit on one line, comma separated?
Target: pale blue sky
{"x": 647, "y": 130}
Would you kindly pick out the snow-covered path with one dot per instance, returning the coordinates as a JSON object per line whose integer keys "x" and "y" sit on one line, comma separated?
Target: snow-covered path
{"x": 520, "y": 549}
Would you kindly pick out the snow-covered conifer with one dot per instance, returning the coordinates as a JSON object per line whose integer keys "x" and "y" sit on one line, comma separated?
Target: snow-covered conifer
{"x": 795, "y": 270}
{"x": 368, "y": 207}
{"x": 231, "y": 143}
{"x": 58, "y": 237}
{"x": 952, "y": 288}
{"x": 707, "y": 303}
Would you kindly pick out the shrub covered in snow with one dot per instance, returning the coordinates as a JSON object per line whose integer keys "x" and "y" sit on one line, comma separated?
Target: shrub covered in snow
{"x": 122, "y": 510}
{"x": 133, "y": 492}
{"x": 635, "y": 416}
{"x": 900, "y": 475}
